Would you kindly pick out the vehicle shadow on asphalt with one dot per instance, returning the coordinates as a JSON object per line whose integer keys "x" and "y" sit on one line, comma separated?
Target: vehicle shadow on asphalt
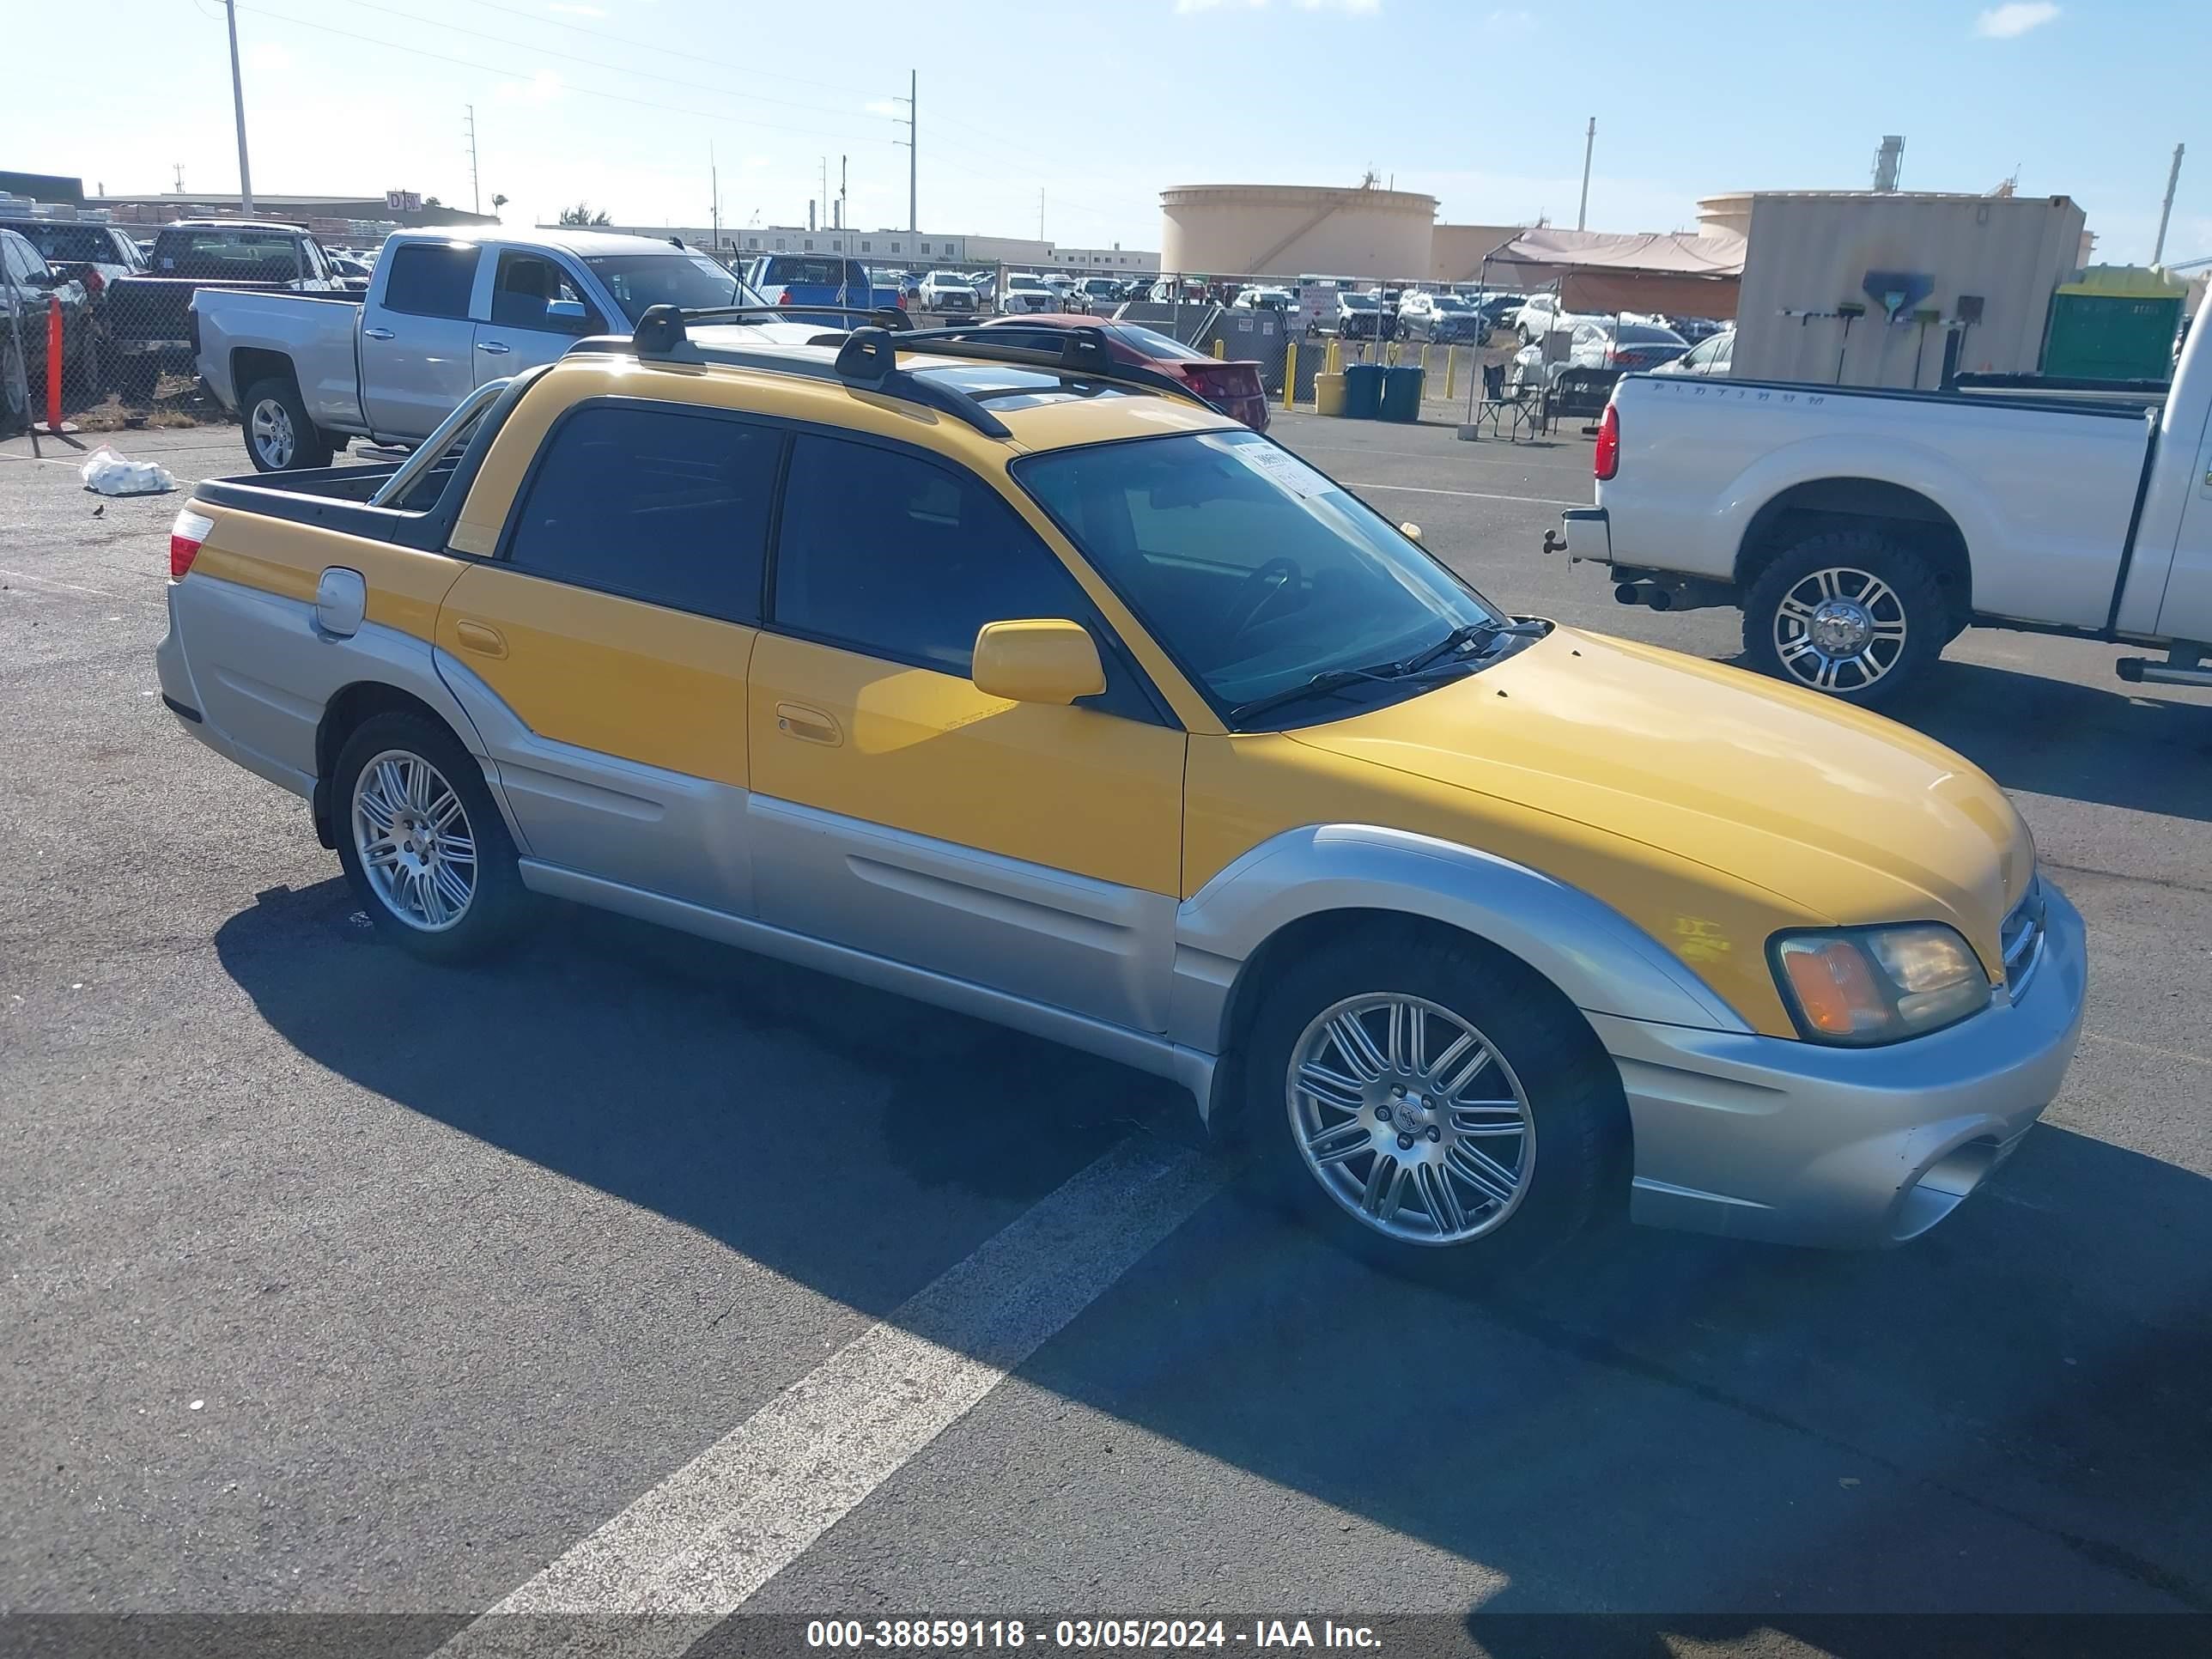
{"x": 2007, "y": 1414}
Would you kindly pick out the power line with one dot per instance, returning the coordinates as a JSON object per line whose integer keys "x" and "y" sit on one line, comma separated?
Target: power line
{"x": 595, "y": 63}
{"x": 688, "y": 56}
{"x": 505, "y": 72}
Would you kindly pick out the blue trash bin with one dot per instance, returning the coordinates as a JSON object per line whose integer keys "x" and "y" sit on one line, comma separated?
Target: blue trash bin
{"x": 1363, "y": 390}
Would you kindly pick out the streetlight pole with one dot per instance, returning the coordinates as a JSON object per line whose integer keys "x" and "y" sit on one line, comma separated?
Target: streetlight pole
{"x": 1590, "y": 148}
{"x": 2165, "y": 213}
{"x": 238, "y": 106}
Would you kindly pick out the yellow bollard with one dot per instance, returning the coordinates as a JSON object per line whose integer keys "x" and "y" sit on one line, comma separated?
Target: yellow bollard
{"x": 1220, "y": 349}
{"x": 1425, "y": 361}
{"x": 1451, "y": 372}
{"x": 1290, "y": 375}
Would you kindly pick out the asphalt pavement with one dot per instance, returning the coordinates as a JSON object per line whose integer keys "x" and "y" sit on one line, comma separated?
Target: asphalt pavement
{"x": 634, "y": 1273}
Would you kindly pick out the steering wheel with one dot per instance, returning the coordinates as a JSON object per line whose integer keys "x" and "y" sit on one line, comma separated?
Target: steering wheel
{"x": 1258, "y": 591}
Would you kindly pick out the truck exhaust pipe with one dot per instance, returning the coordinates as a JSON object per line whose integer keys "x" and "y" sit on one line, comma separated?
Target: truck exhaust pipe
{"x": 2183, "y": 668}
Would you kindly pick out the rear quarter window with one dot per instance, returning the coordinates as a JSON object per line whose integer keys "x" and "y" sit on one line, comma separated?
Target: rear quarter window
{"x": 654, "y": 503}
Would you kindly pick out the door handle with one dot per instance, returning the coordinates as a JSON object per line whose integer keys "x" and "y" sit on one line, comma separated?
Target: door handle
{"x": 808, "y": 724}
{"x": 494, "y": 347}
{"x": 481, "y": 638}
{"x": 376, "y": 333}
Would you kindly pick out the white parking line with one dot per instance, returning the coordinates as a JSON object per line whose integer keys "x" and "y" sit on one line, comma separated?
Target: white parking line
{"x": 1471, "y": 495}
{"x": 696, "y": 1547}
{"x": 53, "y": 581}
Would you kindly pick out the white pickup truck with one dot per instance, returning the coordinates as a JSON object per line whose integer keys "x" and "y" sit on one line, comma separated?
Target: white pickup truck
{"x": 446, "y": 311}
{"x": 1860, "y": 530}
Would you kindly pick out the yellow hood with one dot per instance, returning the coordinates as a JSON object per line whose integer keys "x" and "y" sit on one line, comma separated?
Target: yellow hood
{"x": 1841, "y": 815}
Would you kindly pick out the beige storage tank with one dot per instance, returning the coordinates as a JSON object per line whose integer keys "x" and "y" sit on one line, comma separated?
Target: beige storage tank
{"x": 1811, "y": 251}
{"x": 1287, "y": 229}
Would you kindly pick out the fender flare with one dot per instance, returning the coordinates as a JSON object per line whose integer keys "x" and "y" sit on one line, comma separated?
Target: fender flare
{"x": 1600, "y": 960}
{"x": 1905, "y": 465}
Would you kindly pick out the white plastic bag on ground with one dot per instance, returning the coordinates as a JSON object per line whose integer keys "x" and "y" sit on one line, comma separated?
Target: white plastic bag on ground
{"x": 108, "y": 474}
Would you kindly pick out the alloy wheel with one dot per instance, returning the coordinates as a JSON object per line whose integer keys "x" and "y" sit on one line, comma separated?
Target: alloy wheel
{"x": 1839, "y": 629}
{"x": 1411, "y": 1119}
{"x": 411, "y": 833}
{"x": 273, "y": 437}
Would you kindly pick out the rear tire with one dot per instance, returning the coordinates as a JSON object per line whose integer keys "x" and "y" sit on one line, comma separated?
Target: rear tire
{"x": 279, "y": 436}
{"x": 1418, "y": 1152}
{"x": 422, "y": 843}
{"x": 1853, "y": 614}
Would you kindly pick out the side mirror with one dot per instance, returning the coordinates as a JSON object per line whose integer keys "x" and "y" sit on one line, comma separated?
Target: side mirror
{"x": 1410, "y": 530}
{"x": 565, "y": 311}
{"x": 1047, "y": 661}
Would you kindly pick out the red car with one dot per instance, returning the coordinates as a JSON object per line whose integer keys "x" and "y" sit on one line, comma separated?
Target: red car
{"x": 1233, "y": 387}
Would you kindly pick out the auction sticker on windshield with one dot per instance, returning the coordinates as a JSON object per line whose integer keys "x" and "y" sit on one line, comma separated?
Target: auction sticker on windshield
{"x": 1277, "y": 466}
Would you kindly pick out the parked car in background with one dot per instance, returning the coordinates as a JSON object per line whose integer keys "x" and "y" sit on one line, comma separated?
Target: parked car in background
{"x": 1264, "y": 299}
{"x": 1600, "y": 343}
{"x": 1711, "y": 355}
{"x": 1536, "y": 316}
{"x": 151, "y": 313}
{"x": 1693, "y": 329}
{"x": 91, "y": 253}
{"x": 1024, "y": 292}
{"x": 446, "y": 311}
{"x": 1235, "y": 387}
{"x": 1171, "y": 291}
{"x": 1361, "y": 317}
{"x": 29, "y": 287}
{"x": 950, "y": 290}
{"x": 817, "y": 279}
{"x": 351, "y": 265}
{"x": 1094, "y": 293}
{"x": 1497, "y": 310}
{"x": 1444, "y": 318}
{"x": 1860, "y": 529}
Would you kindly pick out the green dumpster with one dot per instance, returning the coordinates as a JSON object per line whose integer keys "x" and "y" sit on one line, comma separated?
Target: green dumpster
{"x": 2115, "y": 323}
{"x": 1401, "y": 391}
{"x": 1363, "y": 390}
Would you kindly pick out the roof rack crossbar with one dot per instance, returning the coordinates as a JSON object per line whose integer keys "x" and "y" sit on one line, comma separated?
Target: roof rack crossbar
{"x": 1082, "y": 356}
{"x": 661, "y": 329}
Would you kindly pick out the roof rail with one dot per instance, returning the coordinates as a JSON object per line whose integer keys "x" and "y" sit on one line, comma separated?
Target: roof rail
{"x": 867, "y": 361}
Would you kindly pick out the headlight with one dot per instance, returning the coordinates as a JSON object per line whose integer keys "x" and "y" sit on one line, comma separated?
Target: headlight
{"x": 1865, "y": 986}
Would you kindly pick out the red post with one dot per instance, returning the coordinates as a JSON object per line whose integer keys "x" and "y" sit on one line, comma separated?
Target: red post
{"x": 54, "y": 364}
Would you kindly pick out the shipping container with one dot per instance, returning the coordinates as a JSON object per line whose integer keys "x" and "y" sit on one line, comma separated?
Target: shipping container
{"x": 1979, "y": 270}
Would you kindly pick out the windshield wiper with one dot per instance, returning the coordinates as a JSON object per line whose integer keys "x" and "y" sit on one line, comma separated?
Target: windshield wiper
{"x": 1429, "y": 661}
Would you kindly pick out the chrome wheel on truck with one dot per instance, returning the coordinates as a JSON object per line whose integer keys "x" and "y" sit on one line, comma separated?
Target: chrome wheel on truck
{"x": 268, "y": 430}
{"x": 1410, "y": 1119}
{"x": 1852, "y": 614}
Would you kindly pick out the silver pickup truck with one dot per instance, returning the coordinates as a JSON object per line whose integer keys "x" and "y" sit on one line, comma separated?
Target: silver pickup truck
{"x": 446, "y": 311}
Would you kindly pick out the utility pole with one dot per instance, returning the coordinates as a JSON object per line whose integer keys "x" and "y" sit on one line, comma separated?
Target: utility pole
{"x": 476, "y": 191}
{"x": 825, "y": 193}
{"x": 844, "y": 187}
{"x": 714, "y": 186}
{"x": 1040, "y": 213}
{"x": 238, "y": 106}
{"x": 2173, "y": 179}
{"x": 1590, "y": 148}
{"x": 913, "y": 89}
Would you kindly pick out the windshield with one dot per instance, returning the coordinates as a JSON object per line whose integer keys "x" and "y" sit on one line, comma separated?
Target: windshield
{"x": 1451, "y": 302}
{"x": 1251, "y": 569}
{"x": 1644, "y": 334}
{"x": 1359, "y": 302}
{"x": 66, "y": 241}
{"x": 691, "y": 280}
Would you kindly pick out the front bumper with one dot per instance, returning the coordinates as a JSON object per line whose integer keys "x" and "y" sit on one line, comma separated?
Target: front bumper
{"x": 1757, "y": 1137}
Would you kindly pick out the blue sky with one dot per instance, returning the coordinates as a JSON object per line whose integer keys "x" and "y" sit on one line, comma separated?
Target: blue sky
{"x": 1099, "y": 105}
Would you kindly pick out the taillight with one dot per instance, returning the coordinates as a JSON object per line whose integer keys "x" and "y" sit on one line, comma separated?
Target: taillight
{"x": 785, "y": 299}
{"x": 1612, "y": 357}
{"x": 1607, "y": 458}
{"x": 185, "y": 535}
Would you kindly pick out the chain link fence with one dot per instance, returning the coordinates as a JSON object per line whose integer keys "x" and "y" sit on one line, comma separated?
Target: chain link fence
{"x": 125, "y": 356}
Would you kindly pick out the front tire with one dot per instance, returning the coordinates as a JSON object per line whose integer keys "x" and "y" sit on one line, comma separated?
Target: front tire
{"x": 279, "y": 436}
{"x": 1854, "y": 614}
{"x": 1429, "y": 1101}
{"x": 422, "y": 843}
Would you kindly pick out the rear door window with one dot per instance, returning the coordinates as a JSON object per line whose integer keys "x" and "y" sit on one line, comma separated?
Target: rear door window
{"x": 526, "y": 285}
{"x": 431, "y": 279}
{"x": 653, "y": 502}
